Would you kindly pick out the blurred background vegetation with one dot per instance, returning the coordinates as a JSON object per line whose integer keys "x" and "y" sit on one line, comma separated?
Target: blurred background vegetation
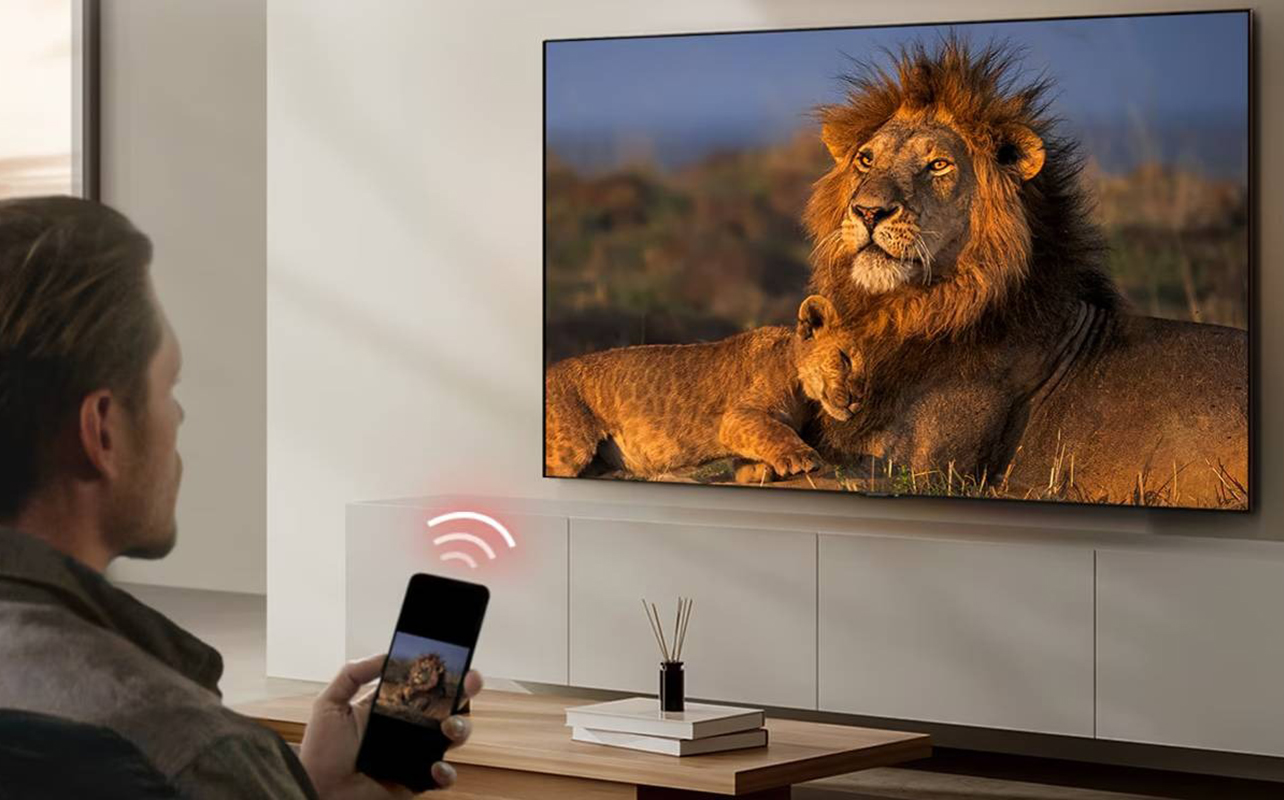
{"x": 644, "y": 253}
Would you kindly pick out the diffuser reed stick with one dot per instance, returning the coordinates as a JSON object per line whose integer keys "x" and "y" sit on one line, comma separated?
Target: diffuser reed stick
{"x": 677, "y": 629}
{"x": 684, "y": 617}
{"x": 655, "y": 629}
{"x": 670, "y": 648}
{"x": 664, "y": 645}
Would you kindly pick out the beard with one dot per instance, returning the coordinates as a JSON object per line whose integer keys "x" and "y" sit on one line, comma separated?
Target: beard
{"x": 142, "y": 522}
{"x": 154, "y": 545}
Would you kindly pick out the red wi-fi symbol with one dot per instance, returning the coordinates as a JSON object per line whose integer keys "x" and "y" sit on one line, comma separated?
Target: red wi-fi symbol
{"x": 462, "y": 536}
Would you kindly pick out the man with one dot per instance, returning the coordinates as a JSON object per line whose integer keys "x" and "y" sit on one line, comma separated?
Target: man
{"x": 89, "y": 471}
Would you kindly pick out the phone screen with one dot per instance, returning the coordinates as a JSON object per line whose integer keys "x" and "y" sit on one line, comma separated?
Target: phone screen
{"x": 422, "y": 680}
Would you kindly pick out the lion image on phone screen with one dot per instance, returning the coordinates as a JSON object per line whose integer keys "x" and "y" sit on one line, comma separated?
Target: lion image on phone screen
{"x": 417, "y": 691}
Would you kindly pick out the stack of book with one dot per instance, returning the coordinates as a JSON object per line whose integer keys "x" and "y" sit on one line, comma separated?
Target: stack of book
{"x": 638, "y": 724}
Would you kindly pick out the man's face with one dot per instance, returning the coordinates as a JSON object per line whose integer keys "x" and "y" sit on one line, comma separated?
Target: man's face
{"x": 142, "y": 521}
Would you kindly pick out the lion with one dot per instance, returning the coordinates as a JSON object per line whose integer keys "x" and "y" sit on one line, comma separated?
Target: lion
{"x": 662, "y": 407}
{"x": 424, "y": 687}
{"x": 953, "y": 236}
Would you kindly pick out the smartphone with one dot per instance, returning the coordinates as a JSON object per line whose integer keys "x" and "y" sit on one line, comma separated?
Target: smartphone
{"x": 422, "y": 680}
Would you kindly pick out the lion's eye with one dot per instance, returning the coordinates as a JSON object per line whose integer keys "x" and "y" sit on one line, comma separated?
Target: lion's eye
{"x": 864, "y": 159}
{"x": 939, "y": 165}
{"x": 847, "y": 362}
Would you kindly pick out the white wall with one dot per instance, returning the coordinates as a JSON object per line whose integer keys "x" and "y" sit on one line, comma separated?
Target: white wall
{"x": 404, "y": 275}
{"x": 184, "y": 156}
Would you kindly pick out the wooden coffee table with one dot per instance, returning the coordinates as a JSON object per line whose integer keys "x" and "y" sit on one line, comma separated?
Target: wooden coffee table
{"x": 521, "y": 748}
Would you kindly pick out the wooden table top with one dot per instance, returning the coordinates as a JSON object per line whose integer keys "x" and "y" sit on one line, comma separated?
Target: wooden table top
{"x": 528, "y": 733}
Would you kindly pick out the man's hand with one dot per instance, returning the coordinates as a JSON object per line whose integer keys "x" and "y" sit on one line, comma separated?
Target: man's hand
{"x": 329, "y": 750}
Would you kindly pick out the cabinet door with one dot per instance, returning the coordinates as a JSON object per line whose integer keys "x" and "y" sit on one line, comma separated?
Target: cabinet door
{"x": 1190, "y": 650}
{"x": 752, "y": 636}
{"x": 524, "y": 634}
{"x": 971, "y": 633}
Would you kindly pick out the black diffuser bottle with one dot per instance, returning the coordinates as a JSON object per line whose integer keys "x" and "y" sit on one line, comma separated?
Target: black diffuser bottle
{"x": 672, "y": 688}
{"x": 672, "y": 677}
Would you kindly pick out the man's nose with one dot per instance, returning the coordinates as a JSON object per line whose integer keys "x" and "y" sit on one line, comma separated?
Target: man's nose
{"x": 872, "y": 214}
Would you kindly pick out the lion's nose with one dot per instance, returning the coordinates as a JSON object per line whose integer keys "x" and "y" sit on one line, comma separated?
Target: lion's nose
{"x": 872, "y": 215}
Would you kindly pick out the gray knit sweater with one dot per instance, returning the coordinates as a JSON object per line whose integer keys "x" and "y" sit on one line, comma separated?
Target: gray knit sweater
{"x": 74, "y": 646}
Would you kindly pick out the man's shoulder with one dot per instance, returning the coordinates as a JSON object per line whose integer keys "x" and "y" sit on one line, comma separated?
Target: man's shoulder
{"x": 57, "y": 663}
{"x": 46, "y": 644}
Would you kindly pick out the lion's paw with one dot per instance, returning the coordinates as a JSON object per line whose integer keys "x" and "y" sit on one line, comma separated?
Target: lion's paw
{"x": 793, "y": 462}
{"x": 755, "y": 472}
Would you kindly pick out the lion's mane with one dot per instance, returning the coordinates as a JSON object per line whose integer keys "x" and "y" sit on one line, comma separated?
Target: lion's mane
{"x": 1031, "y": 248}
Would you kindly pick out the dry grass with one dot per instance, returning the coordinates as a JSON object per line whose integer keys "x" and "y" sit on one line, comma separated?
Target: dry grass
{"x": 1158, "y": 488}
{"x": 871, "y": 475}
{"x": 1152, "y": 488}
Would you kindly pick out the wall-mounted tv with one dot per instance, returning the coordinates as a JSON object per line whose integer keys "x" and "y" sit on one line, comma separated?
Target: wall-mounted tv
{"x": 1004, "y": 260}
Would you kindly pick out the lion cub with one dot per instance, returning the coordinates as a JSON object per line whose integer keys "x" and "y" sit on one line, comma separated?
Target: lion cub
{"x": 670, "y": 406}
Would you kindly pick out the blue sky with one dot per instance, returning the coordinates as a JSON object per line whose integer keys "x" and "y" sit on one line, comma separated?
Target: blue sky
{"x": 1179, "y": 79}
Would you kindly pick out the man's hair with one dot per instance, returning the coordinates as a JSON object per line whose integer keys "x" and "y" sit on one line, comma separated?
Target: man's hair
{"x": 76, "y": 316}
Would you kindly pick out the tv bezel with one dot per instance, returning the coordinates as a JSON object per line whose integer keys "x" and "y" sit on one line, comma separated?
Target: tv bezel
{"x": 1251, "y": 311}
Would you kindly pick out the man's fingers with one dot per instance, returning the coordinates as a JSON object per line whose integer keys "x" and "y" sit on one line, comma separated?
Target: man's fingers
{"x": 472, "y": 683}
{"x": 361, "y": 716}
{"x": 366, "y": 698}
{"x": 444, "y": 774}
{"x": 350, "y": 679}
{"x": 456, "y": 729}
{"x": 385, "y": 791}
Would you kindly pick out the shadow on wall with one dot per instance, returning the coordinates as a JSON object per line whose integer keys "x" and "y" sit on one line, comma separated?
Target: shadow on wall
{"x": 438, "y": 200}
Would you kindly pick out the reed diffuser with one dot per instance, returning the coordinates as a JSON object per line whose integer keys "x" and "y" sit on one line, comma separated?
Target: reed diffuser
{"x": 672, "y": 689}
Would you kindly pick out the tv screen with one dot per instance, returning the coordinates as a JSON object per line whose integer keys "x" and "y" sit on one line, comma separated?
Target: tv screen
{"x": 1002, "y": 260}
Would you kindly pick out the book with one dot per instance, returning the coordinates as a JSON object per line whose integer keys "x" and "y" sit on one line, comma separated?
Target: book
{"x": 641, "y": 715}
{"x": 672, "y": 747}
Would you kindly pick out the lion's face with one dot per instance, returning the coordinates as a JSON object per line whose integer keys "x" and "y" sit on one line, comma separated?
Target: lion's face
{"x": 427, "y": 671}
{"x": 830, "y": 366}
{"x": 926, "y": 191}
{"x": 907, "y": 212}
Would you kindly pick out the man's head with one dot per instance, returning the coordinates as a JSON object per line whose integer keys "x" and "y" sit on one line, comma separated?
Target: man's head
{"x": 88, "y": 423}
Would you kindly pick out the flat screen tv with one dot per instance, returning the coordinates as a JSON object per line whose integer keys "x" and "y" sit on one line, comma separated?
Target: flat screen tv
{"x": 1002, "y": 260}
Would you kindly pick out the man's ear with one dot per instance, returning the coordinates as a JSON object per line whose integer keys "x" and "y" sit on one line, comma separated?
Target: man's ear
{"x": 837, "y": 143}
{"x": 813, "y": 315}
{"x": 1022, "y": 151}
{"x": 100, "y": 428}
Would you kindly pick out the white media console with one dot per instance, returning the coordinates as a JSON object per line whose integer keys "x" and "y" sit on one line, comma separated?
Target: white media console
{"x": 1168, "y": 640}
